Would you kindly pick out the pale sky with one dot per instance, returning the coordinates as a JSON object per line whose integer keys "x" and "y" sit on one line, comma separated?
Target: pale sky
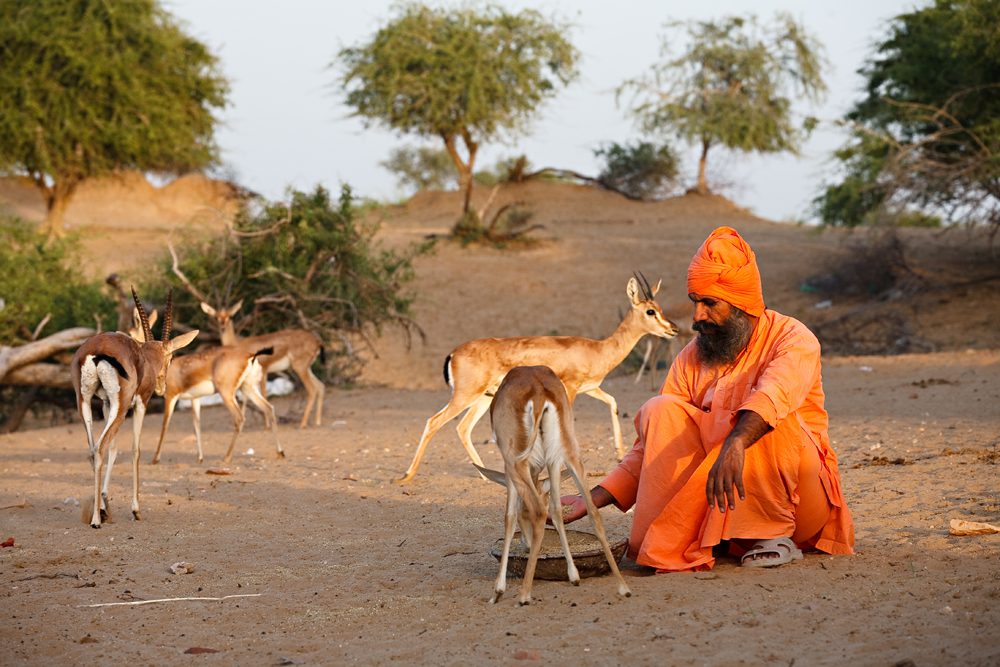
{"x": 287, "y": 125}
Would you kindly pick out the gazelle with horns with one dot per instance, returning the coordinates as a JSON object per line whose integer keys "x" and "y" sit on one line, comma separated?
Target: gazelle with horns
{"x": 124, "y": 373}
{"x": 475, "y": 369}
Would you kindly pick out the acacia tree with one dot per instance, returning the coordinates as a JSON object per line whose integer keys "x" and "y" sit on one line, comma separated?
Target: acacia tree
{"x": 90, "y": 87}
{"x": 731, "y": 86}
{"x": 464, "y": 75}
{"x": 926, "y": 135}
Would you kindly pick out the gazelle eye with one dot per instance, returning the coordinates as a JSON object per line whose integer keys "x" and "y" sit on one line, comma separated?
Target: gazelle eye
{"x": 651, "y": 312}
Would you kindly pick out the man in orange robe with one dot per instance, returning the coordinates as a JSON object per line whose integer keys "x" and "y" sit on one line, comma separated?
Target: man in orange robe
{"x": 735, "y": 446}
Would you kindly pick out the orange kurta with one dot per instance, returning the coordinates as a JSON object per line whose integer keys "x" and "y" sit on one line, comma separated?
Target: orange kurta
{"x": 680, "y": 433}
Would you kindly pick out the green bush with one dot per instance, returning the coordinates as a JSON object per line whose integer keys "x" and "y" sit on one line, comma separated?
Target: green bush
{"x": 640, "y": 171}
{"x": 309, "y": 264}
{"x": 41, "y": 276}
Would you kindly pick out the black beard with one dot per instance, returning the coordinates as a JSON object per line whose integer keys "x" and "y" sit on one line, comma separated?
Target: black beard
{"x": 719, "y": 345}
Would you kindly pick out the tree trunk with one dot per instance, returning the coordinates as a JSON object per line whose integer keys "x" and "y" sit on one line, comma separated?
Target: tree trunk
{"x": 464, "y": 168}
{"x": 57, "y": 200}
{"x": 471, "y": 146}
{"x": 702, "y": 187}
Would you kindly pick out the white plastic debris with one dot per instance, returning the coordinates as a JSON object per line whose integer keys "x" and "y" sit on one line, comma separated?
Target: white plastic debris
{"x": 182, "y": 567}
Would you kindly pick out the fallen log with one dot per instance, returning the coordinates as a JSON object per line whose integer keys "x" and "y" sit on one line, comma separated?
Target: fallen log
{"x": 40, "y": 375}
{"x": 13, "y": 358}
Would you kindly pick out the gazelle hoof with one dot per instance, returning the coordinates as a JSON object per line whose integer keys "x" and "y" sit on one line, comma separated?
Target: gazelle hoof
{"x": 281, "y": 455}
{"x": 624, "y": 591}
{"x": 524, "y": 603}
{"x": 136, "y": 515}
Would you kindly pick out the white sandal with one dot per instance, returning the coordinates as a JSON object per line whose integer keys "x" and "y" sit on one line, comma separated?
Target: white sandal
{"x": 782, "y": 546}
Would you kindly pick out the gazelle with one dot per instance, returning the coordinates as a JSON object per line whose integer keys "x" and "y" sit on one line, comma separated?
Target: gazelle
{"x": 475, "y": 369}
{"x": 296, "y": 349}
{"x": 222, "y": 370}
{"x": 533, "y": 427}
{"x": 124, "y": 373}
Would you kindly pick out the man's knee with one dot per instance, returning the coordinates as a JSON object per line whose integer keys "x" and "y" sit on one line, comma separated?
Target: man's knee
{"x": 664, "y": 411}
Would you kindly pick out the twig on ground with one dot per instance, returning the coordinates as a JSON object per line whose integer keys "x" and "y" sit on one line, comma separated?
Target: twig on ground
{"x": 49, "y": 576}
{"x": 24, "y": 504}
{"x": 139, "y": 602}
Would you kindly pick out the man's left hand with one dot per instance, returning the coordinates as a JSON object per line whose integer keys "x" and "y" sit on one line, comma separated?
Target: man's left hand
{"x": 725, "y": 479}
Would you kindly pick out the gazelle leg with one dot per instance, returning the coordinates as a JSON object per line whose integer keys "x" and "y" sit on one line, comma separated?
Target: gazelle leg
{"x": 537, "y": 519}
{"x": 168, "y": 412}
{"x": 555, "y": 513}
{"x": 576, "y": 470}
{"x": 115, "y": 416}
{"x": 314, "y": 395}
{"x": 112, "y": 457}
{"x": 616, "y": 428}
{"x": 196, "y": 420}
{"x": 97, "y": 459}
{"x": 253, "y": 395}
{"x": 230, "y": 402}
{"x": 468, "y": 422}
{"x": 320, "y": 396}
{"x": 442, "y": 417}
{"x": 138, "y": 413}
{"x": 509, "y": 520}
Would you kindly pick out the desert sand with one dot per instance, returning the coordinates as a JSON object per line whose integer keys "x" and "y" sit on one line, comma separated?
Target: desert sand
{"x": 338, "y": 565}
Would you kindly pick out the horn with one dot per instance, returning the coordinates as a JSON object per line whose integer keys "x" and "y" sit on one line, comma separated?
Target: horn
{"x": 143, "y": 318}
{"x": 647, "y": 292}
{"x": 168, "y": 315}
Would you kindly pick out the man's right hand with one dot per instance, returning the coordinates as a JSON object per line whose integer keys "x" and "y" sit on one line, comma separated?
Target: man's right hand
{"x": 573, "y": 507}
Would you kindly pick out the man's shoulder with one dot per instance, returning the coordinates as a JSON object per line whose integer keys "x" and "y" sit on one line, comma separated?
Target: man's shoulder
{"x": 786, "y": 327}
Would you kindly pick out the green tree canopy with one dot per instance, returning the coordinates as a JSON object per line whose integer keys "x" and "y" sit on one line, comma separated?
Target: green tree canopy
{"x": 90, "y": 87}
{"x": 926, "y": 135}
{"x": 469, "y": 75}
{"x": 731, "y": 86}
{"x": 41, "y": 282}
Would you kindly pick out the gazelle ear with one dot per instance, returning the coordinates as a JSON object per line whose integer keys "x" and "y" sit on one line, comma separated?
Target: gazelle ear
{"x": 633, "y": 292}
{"x": 492, "y": 475}
{"x": 235, "y": 308}
{"x": 175, "y": 344}
{"x": 152, "y": 318}
{"x": 207, "y": 309}
{"x": 657, "y": 288}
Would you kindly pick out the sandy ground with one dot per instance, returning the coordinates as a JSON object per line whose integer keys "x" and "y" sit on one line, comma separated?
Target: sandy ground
{"x": 342, "y": 566}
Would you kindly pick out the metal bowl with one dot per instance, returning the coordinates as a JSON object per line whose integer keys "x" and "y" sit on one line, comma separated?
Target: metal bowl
{"x": 588, "y": 556}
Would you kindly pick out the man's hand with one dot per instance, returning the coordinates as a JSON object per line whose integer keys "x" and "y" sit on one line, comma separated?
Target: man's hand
{"x": 725, "y": 479}
{"x": 573, "y": 508}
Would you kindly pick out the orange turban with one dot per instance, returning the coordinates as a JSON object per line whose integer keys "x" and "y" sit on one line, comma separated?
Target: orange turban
{"x": 726, "y": 268}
